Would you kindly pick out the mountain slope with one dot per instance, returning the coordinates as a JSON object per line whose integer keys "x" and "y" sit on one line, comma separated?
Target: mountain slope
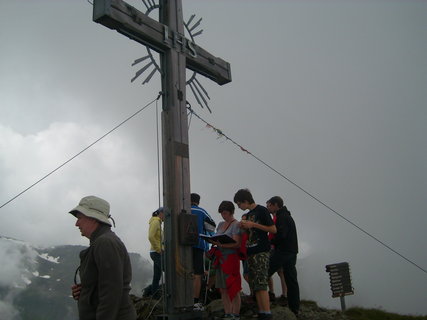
{"x": 35, "y": 282}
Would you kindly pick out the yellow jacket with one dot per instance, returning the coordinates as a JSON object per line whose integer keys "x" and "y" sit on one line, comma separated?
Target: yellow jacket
{"x": 155, "y": 234}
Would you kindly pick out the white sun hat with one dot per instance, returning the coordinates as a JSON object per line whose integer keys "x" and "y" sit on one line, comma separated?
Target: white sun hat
{"x": 94, "y": 207}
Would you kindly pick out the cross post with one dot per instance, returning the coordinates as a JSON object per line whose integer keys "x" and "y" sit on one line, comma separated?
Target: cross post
{"x": 176, "y": 53}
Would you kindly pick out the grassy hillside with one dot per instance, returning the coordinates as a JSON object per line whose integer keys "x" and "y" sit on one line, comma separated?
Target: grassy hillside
{"x": 375, "y": 314}
{"x": 311, "y": 311}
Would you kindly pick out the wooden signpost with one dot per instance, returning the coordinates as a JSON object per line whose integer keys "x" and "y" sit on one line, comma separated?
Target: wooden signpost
{"x": 339, "y": 276}
{"x": 177, "y": 53}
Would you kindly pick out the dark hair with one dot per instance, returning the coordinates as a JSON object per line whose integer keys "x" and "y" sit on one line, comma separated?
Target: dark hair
{"x": 243, "y": 195}
{"x": 226, "y": 205}
{"x": 157, "y": 212}
{"x": 195, "y": 198}
{"x": 276, "y": 200}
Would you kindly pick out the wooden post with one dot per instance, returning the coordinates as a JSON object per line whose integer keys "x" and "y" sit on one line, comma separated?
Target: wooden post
{"x": 342, "y": 300}
{"x": 176, "y": 167}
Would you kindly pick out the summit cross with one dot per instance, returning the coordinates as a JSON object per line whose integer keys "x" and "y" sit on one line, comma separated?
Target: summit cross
{"x": 177, "y": 53}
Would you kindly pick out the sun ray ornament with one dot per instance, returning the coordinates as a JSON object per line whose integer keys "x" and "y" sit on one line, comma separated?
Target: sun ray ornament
{"x": 150, "y": 65}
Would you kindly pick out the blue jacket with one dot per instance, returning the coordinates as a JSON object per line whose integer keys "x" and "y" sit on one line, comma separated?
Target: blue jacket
{"x": 201, "y": 216}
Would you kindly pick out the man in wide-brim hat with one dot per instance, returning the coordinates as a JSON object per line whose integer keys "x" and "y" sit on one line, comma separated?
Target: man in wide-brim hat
{"x": 105, "y": 269}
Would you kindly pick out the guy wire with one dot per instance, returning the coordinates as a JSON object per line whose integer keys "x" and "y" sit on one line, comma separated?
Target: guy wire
{"x": 219, "y": 132}
{"x": 79, "y": 153}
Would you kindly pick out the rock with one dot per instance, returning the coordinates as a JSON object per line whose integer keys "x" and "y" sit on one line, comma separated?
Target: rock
{"x": 309, "y": 310}
{"x": 148, "y": 308}
{"x": 215, "y": 307}
{"x": 284, "y": 313}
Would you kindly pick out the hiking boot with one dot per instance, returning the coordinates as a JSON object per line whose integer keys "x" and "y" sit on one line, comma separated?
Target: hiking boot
{"x": 198, "y": 307}
{"x": 283, "y": 300}
{"x": 147, "y": 291}
{"x": 265, "y": 316}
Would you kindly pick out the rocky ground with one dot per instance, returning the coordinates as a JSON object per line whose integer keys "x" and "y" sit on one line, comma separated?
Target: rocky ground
{"x": 150, "y": 309}
{"x": 310, "y": 311}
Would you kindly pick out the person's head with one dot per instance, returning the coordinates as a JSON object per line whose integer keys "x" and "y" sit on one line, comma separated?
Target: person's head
{"x": 226, "y": 209}
{"x": 243, "y": 198}
{"x": 245, "y": 216}
{"x": 159, "y": 213}
{"x": 90, "y": 213}
{"x": 195, "y": 199}
{"x": 274, "y": 204}
{"x": 86, "y": 224}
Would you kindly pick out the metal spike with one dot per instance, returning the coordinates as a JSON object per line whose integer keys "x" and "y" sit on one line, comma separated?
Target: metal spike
{"x": 154, "y": 60}
{"x": 140, "y": 71}
{"x": 201, "y": 87}
{"x": 197, "y": 33}
{"x": 195, "y": 25}
{"x": 195, "y": 94}
{"x": 140, "y": 60}
{"x": 191, "y": 79}
{"x": 150, "y": 76}
{"x": 191, "y": 19}
{"x": 143, "y": 1}
{"x": 203, "y": 98}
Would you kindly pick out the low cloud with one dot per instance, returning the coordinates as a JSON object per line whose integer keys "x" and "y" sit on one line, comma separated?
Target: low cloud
{"x": 112, "y": 169}
{"x": 18, "y": 265}
{"x": 7, "y": 310}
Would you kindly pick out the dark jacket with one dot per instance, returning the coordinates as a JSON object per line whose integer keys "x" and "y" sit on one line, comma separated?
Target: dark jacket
{"x": 105, "y": 273}
{"x": 286, "y": 239}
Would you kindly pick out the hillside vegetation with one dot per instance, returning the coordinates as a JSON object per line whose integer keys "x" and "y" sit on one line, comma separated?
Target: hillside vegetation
{"x": 375, "y": 314}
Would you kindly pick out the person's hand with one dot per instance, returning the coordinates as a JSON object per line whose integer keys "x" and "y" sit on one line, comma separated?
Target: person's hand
{"x": 216, "y": 243}
{"x": 246, "y": 224}
{"x": 75, "y": 291}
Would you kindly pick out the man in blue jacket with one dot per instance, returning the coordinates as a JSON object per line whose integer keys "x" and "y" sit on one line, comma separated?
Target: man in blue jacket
{"x": 199, "y": 249}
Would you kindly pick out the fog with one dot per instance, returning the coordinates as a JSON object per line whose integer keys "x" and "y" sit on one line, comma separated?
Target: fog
{"x": 331, "y": 94}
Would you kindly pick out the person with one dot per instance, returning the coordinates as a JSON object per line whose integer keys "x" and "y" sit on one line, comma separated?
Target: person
{"x": 271, "y": 293}
{"x": 285, "y": 250}
{"x": 105, "y": 269}
{"x": 245, "y": 269}
{"x": 156, "y": 250}
{"x": 227, "y": 262}
{"x": 283, "y": 300}
{"x": 258, "y": 224}
{"x": 199, "y": 249}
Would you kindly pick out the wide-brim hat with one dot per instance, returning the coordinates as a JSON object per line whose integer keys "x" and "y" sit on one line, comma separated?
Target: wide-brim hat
{"x": 94, "y": 207}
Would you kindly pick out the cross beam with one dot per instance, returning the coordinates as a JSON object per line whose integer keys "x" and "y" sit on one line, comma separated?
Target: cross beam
{"x": 120, "y": 16}
{"x": 176, "y": 54}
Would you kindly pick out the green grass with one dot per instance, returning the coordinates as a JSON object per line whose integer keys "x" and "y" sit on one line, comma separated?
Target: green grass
{"x": 375, "y": 314}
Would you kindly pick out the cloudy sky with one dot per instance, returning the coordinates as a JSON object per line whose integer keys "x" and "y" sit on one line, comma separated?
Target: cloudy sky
{"x": 331, "y": 94}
